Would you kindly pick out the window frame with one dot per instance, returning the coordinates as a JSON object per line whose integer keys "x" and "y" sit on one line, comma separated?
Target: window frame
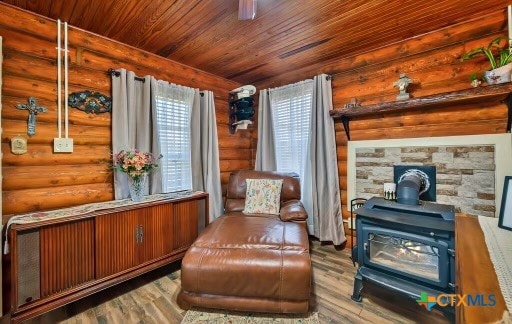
{"x": 293, "y": 104}
{"x": 171, "y": 109}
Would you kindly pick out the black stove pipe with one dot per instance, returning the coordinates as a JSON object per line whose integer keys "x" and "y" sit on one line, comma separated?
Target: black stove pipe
{"x": 408, "y": 190}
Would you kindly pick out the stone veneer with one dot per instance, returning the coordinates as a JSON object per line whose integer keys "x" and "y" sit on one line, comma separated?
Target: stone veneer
{"x": 465, "y": 174}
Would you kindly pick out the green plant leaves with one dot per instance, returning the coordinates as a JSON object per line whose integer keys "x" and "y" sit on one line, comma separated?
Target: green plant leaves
{"x": 497, "y": 54}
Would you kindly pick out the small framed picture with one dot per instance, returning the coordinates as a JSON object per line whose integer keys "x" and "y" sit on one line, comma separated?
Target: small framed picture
{"x": 505, "y": 220}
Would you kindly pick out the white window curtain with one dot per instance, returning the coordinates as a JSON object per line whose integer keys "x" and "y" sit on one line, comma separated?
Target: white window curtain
{"x": 265, "y": 152}
{"x": 187, "y": 131}
{"x": 286, "y": 145}
{"x": 291, "y": 110}
{"x": 175, "y": 121}
{"x": 205, "y": 152}
{"x": 322, "y": 167}
{"x": 131, "y": 124}
{"x": 173, "y": 105}
{"x": 299, "y": 136}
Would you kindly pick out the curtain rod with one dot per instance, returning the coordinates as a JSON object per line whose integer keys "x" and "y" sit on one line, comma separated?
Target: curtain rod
{"x": 117, "y": 73}
{"x": 327, "y": 77}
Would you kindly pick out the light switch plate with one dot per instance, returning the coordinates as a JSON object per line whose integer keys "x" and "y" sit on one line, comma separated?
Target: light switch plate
{"x": 18, "y": 145}
{"x": 62, "y": 145}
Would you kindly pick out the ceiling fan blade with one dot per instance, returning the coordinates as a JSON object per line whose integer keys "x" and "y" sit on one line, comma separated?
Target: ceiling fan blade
{"x": 246, "y": 9}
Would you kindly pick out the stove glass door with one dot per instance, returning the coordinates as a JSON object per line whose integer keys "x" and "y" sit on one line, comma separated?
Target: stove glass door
{"x": 408, "y": 254}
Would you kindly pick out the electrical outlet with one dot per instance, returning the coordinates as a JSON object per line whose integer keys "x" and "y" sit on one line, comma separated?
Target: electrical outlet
{"x": 62, "y": 145}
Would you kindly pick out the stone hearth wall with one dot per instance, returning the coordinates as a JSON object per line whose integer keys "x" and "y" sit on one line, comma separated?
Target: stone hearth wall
{"x": 465, "y": 174}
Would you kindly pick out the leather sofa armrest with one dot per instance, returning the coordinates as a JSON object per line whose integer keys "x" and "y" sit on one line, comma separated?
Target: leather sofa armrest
{"x": 293, "y": 210}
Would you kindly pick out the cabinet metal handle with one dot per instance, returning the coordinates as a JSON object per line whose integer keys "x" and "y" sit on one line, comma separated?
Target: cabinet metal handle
{"x": 139, "y": 234}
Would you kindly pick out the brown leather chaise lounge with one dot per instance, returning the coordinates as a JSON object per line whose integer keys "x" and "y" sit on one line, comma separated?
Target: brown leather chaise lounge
{"x": 254, "y": 262}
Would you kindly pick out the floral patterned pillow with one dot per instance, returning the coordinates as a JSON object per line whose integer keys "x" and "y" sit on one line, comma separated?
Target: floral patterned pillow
{"x": 263, "y": 196}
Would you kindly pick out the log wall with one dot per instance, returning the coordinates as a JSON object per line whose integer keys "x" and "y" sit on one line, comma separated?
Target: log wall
{"x": 433, "y": 61}
{"x": 40, "y": 179}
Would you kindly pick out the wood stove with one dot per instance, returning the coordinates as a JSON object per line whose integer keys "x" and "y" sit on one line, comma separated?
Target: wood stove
{"x": 407, "y": 247}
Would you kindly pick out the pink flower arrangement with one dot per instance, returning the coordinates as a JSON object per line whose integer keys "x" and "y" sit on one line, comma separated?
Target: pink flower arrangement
{"x": 135, "y": 163}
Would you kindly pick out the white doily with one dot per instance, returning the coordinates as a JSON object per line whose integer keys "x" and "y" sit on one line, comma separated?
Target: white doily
{"x": 499, "y": 245}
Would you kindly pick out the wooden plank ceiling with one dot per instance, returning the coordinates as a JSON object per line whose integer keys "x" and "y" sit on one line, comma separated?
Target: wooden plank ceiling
{"x": 286, "y": 36}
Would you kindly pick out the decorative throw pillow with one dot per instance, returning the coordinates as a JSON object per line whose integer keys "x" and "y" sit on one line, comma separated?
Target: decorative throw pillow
{"x": 263, "y": 196}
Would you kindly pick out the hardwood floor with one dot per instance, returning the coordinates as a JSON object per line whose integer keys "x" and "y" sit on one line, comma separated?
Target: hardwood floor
{"x": 333, "y": 279}
{"x": 151, "y": 298}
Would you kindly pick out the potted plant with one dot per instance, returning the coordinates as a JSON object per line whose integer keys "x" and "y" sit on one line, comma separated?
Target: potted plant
{"x": 499, "y": 57}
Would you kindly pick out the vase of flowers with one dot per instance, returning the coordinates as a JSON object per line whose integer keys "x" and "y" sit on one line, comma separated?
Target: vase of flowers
{"x": 136, "y": 187}
{"x": 137, "y": 165}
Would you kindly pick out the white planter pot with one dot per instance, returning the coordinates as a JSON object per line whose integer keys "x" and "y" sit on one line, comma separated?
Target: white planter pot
{"x": 499, "y": 75}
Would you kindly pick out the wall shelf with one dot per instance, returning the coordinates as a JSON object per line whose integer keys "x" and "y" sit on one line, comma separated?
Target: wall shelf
{"x": 490, "y": 94}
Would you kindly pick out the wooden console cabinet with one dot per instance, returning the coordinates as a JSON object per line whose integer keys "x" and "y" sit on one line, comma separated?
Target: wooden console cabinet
{"x": 54, "y": 262}
{"x": 475, "y": 273}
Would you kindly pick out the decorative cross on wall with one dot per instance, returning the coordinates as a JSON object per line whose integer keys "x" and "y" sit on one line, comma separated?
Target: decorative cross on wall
{"x": 33, "y": 110}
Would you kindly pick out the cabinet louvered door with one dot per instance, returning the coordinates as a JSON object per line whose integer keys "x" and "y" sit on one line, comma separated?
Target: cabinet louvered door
{"x": 116, "y": 242}
{"x": 185, "y": 219}
{"x": 157, "y": 228}
{"x": 66, "y": 256}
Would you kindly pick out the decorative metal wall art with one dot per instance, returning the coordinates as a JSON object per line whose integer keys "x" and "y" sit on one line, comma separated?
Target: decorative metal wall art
{"x": 402, "y": 84}
{"x": 90, "y": 102}
{"x": 33, "y": 110}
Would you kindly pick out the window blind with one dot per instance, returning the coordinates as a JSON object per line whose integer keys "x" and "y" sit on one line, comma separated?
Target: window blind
{"x": 291, "y": 115}
{"x": 173, "y": 118}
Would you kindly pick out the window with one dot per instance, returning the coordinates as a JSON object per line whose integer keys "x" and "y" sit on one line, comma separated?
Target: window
{"x": 173, "y": 117}
{"x": 291, "y": 115}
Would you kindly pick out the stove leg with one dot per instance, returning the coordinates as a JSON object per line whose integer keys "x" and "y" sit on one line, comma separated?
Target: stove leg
{"x": 358, "y": 287}
{"x": 353, "y": 257}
